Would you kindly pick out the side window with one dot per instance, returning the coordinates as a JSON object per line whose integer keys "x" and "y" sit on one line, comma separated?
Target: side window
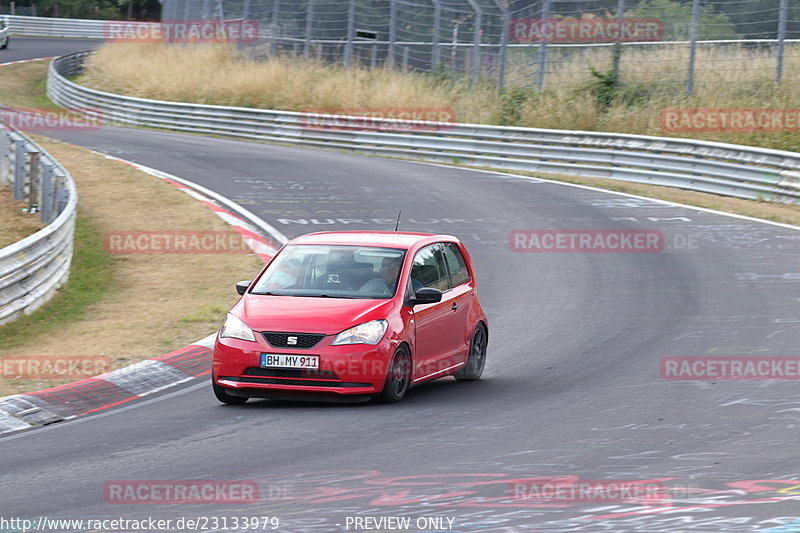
{"x": 455, "y": 262}
{"x": 428, "y": 269}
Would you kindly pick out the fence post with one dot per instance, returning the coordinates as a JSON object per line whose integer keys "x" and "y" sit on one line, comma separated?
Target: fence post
{"x": 19, "y": 170}
{"x": 309, "y": 28}
{"x": 35, "y": 176}
{"x": 505, "y": 22}
{"x": 476, "y": 40}
{"x": 351, "y": 33}
{"x": 273, "y": 32}
{"x": 782, "y": 16}
{"x": 436, "y": 53}
{"x": 62, "y": 195}
{"x": 46, "y": 207}
{"x": 542, "y": 62}
{"x": 693, "y": 31}
{"x": 392, "y": 33}
{"x": 617, "y": 53}
{"x": 5, "y": 141}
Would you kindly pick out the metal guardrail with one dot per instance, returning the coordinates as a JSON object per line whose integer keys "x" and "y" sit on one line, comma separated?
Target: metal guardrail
{"x": 55, "y": 27}
{"x": 718, "y": 168}
{"x": 85, "y": 28}
{"x": 32, "y": 269}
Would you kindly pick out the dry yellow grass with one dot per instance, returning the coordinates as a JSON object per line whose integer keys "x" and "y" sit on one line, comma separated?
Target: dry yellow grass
{"x": 732, "y": 76}
{"x": 216, "y": 74}
{"x": 14, "y": 223}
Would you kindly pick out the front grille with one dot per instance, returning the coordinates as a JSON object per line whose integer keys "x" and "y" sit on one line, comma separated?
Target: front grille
{"x": 296, "y": 382}
{"x": 281, "y": 340}
{"x": 290, "y": 373}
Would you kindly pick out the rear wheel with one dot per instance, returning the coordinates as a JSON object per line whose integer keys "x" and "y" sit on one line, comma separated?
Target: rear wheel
{"x": 476, "y": 360}
{"x": 223, "y": 396}
{"x": 398, "y": 378}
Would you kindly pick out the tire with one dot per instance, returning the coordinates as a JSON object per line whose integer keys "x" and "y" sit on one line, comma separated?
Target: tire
{"x": 5, "y": 44}
{"x": 476, "y": 360}
{"x": 398, "y": 377}
{"x": 223, "y": 396}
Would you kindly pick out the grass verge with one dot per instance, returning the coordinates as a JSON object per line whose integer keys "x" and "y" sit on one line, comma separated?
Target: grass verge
{"x": 91, "y": 276}
{"x": 651, "y": 81}
{"x": 15, "y": 224}
{"x": 21, "y": 85}
{"x": 126, "y": 307}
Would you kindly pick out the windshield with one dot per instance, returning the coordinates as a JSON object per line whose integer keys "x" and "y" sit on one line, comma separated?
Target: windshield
{"x": 333, "y": 272}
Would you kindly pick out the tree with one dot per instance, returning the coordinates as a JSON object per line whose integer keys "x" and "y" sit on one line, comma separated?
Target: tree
{"x": 677, "y": 18}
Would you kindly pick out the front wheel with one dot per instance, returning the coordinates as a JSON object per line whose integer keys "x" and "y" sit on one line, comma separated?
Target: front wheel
{"x": 223, "y": 396}
{"x": 5, "y": 44}
{"x": 398, "y": 378}
{"x": 476, "y": 360}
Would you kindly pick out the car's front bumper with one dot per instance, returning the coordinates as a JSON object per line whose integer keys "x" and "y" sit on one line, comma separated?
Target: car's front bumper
{"x": 348, "y": 370}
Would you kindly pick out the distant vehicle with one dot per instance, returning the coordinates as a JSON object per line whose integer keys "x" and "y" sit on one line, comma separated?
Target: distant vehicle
{"x": 353, "y": 315}
{"x": 4, "y": 31}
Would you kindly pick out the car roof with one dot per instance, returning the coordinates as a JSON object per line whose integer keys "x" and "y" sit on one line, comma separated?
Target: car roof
{"x": 391, "y": 239}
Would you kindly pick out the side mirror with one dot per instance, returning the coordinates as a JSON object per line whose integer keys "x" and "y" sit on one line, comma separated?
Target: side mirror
{"x": 426, "y": 295}
{"x": 242, "y": 286}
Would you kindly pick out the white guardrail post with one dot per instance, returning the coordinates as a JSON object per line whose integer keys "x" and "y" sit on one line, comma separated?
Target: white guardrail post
{"x": 32, "y": 269}
{"x": 718, "y": 168}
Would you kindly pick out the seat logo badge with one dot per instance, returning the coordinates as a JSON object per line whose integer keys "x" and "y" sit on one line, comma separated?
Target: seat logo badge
{"x": 291, "y": 340}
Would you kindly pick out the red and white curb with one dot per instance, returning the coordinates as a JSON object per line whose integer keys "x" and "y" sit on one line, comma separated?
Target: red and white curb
{"x": 123, "y": 385}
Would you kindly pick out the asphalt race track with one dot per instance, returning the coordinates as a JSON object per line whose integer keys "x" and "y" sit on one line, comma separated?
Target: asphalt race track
{"x": 20, "y": 48}
{"x": 572, "y": 387}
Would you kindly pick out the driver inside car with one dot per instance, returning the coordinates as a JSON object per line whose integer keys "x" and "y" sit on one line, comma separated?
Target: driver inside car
{"x": 384, "y": 286}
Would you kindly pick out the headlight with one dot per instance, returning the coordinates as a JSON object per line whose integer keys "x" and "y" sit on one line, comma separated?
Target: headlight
{"x": 236, "y": 329}
{"x": 366, "y": 333}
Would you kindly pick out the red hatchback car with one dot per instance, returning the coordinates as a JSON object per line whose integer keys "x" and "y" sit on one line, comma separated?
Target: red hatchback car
{"x": 352, "y": 315}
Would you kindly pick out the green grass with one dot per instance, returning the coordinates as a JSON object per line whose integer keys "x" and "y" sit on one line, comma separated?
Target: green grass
{"x": 90, "y": 274}
{"x": 90, "y": 277}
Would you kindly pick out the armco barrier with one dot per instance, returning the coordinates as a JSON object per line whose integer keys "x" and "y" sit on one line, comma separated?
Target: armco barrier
{"x": 719, "y": 168}
{"x": 56, "y": 27}
{"x": 85, "y": 28}
{"x": 33, "y": 268}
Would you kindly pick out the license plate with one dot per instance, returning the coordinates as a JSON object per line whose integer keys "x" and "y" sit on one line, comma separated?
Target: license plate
{"x": 282, "y": 360}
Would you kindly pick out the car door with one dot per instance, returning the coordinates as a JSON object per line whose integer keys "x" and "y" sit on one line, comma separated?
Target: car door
{"x": 436, "y": 325}
{"x": 462, "y": 297}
